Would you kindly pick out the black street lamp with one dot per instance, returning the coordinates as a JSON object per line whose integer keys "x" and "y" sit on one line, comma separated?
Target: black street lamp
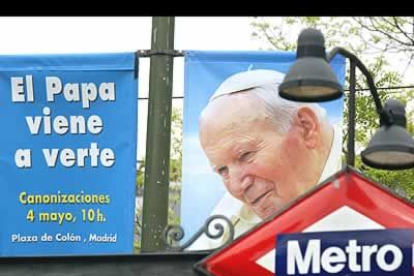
{"x": 391, "y": 147}
{"x": 311, "y": 79}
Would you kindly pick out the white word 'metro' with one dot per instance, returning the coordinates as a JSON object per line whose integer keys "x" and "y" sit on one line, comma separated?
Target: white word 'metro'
{"x": 333, "y": 259}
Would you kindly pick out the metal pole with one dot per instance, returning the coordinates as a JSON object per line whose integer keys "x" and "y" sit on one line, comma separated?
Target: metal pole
{"x": 358, "y": 63}
{"x": 156, "y": 188}
{"x": 351, "y": 116}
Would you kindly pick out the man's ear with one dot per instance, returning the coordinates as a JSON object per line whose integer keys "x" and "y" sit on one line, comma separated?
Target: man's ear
{"x": 310, "y": 126}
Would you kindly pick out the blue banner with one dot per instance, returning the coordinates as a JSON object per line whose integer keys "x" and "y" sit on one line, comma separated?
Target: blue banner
{"x": 369, "y": 252}
{"x": 67, "y": 154}
{"x": 204, "y": 191}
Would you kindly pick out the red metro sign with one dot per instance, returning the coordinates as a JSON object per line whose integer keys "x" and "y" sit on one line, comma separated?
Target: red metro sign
{"x": 347, "y": 201}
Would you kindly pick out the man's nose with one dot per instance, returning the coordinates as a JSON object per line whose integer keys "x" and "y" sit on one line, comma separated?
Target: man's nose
{"x": 240, "y": 180}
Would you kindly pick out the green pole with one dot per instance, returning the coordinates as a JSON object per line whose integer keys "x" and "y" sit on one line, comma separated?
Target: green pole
{"x": 157, "y": 166}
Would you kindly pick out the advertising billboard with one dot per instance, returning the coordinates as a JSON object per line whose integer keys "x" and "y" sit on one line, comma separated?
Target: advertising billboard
{"x": 247, "y": 152}
{"x": 68, "y": 154}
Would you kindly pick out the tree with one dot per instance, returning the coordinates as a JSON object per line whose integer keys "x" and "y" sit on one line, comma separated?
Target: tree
{"x": 175, "y": 179}
{"x": 175, "y": 166}
{"x": 390, "y": 34}
{"x": 371, "y": 39}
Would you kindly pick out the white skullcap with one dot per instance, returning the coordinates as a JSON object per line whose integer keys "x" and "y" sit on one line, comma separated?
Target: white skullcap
{"x": 248, "y": 80}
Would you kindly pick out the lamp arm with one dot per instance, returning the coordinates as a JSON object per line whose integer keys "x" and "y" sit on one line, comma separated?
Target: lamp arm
{"x": 364, "y": 70}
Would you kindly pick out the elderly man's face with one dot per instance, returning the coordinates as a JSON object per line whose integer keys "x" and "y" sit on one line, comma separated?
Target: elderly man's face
{"x": 259, "y": 166}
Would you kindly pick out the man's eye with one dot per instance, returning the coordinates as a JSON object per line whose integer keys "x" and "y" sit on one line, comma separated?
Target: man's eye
{"x": 247, "y": 156}
{"x": 223, "y": 171}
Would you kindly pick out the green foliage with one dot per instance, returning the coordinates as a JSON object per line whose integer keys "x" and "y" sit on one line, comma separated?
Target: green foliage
{"x": 176, "y": 145}
{"x": 389, "y": 34}
{"x": 372, "y": 40}
{"x": 140, "y": 175}
{"x": 401, "y": 182}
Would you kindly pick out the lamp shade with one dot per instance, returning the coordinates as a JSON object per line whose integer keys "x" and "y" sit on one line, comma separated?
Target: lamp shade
{"x": 392, "y": 147}
{"x": 310, "y": 78}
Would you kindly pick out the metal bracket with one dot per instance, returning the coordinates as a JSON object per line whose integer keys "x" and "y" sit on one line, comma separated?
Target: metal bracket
{"x": 175, "y": 233}
{"x": 150, "y": 53}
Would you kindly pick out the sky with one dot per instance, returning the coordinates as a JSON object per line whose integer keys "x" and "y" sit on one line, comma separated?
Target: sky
{"x": 49, "y": 35}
